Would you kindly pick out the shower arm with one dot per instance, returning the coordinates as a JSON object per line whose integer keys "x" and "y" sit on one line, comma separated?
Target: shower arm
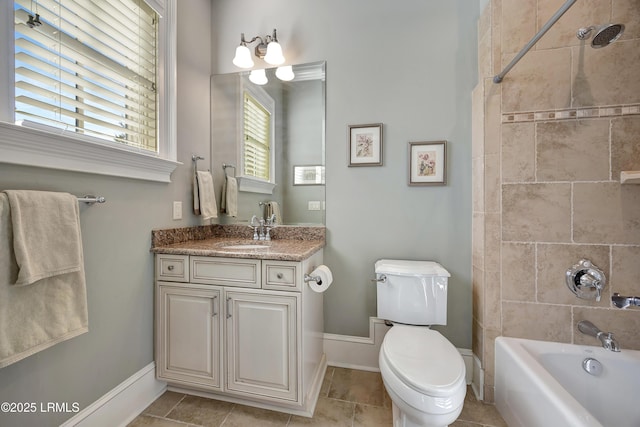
{"x": 583, "y": 33}
{"x": 498, "y": 78}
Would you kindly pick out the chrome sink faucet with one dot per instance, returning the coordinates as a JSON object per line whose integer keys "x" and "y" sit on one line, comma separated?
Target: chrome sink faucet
{"x": 262, "y": 228}
{"x": 606, "y": 338}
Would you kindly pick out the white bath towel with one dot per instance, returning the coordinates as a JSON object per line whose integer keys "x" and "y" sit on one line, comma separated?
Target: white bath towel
{"x": 42, "y": 313}
{"x": 46, "y": 234}
{"x": 206, "y": 195}
{"x": 229, "y": 202}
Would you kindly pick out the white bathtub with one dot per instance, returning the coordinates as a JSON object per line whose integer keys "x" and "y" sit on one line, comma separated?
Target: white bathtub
{"x": 543, "y": 384}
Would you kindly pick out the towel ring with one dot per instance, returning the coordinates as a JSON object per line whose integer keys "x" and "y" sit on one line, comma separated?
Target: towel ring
{"x": 227, "y": 165}
{"x": 194, "y": 159}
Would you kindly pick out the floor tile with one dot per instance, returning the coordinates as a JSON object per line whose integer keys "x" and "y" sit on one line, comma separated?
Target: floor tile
{"x": 149, "y": 421}
{"x": 243, "y": 416}
{"x": 164, "y": 404}
{"x": 326, "y": 382}
{"x": 357, "y": 386}
{"x": 201, "y": 411}
{"x": 328, "y": 413}
{"x": 348, "y": 398}
{"x": 372, "y": 416}
{"x": 478, "y": 412}
{"x": 465, "y": 424}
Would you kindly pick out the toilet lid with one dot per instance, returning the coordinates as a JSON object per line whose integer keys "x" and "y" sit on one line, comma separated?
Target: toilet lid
{"x": 424, "y": 359}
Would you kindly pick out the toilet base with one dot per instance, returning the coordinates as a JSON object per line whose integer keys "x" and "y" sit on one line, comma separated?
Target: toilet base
{"x": 418, "y": 419}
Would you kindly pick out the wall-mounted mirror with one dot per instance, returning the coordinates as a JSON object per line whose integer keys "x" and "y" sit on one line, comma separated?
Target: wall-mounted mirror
{"x": 295, "y": 128}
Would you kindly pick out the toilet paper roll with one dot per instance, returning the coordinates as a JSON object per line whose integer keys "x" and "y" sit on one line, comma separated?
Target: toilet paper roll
{"x": 324, "y": 276}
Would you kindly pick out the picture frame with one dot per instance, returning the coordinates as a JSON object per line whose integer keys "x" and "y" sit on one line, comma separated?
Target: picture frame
{"x": 308, "y": 175}
{"x": 365, "y": 145}
{"x": 427, "y": 163}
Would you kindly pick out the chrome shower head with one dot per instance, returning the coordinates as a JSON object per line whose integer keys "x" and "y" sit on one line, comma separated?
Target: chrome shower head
{"x": 605, "y": 34}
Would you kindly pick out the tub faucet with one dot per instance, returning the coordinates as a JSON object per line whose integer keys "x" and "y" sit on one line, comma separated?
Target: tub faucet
{"x": 606, "y": 338}
{"x": 624, "y": 302}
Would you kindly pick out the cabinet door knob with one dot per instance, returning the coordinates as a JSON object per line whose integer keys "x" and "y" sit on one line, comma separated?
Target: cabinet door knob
{"x": 279, "y": 275}
{"x": 215, "y": 297}
{"x": 170, "y": 268}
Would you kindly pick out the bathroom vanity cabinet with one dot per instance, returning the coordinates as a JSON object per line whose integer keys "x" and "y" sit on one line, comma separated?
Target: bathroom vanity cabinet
{"x": 242, "y": 330}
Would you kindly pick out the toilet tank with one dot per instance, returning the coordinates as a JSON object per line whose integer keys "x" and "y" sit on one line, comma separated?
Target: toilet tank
{"x": 412, "y": 292}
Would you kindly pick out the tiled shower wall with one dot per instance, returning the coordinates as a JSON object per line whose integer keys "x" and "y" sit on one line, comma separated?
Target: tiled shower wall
{"x": 549, "y": 143}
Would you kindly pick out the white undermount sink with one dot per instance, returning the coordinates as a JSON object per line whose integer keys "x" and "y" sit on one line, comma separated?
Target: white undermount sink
{"x": 245, "y": 247}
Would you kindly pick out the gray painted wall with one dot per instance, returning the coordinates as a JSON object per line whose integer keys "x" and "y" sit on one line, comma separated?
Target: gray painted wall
{"x": 116, "y": 239}
{"x": 410, "y": 65}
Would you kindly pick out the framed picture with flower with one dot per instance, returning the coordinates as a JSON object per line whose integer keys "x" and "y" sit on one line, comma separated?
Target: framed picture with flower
{"x": 365, "y": 145}
{"x": 427, "y": 162}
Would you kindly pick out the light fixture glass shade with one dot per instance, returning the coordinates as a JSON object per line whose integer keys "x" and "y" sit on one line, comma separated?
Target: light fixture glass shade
{"x": 243, "y": 57}
{"x": 274, "y": 54}
{"x": 285, "y": 73}
{"x": 258, "y": 77}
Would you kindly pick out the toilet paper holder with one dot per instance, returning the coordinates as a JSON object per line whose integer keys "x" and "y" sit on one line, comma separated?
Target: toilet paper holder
{"x": 310, "y": 278}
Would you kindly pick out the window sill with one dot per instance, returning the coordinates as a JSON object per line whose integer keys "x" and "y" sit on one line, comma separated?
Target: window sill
{"x": 252, "y": 185}
{"x": 33, "y": 147}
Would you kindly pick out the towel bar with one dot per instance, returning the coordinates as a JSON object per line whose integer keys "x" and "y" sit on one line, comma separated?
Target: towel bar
{"x": 90, "y": 200}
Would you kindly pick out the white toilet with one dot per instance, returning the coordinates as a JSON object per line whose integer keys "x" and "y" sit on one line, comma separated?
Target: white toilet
{"x": 422, "y": 371}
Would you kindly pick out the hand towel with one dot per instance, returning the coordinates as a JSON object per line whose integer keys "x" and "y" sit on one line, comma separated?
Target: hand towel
{"x": 230, "y": 196}
{"x": 46, "y": 234}
{"x": 196, "y": 197}
{"x": 208, "y": 205}
{"x": 36, "y": 316}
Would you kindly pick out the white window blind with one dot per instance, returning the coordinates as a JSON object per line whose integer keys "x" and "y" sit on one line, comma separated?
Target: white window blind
{"x": 257, "y": 139}
{"x": 88, "y": 66}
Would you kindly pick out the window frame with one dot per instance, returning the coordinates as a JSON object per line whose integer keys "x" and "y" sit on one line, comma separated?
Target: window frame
{"x": 58, "y": 149}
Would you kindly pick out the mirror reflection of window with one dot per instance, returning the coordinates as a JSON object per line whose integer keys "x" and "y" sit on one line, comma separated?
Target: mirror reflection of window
{"x": 257, "y": 141}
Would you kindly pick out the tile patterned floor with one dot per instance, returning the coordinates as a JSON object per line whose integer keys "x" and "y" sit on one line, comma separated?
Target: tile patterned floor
{"x": 348, "y": 398}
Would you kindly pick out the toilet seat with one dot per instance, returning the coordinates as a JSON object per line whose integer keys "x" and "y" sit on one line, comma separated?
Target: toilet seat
{"x": 424, "y": 360}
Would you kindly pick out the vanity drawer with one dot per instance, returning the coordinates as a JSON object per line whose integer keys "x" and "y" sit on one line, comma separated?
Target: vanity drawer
{"x": 281, "y": 275}
{"x": 172, "y": 268}
{"x": 244, "y": 273}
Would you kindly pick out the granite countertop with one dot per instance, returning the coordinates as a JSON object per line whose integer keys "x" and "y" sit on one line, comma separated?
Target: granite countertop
{"x": 288, "y": 244}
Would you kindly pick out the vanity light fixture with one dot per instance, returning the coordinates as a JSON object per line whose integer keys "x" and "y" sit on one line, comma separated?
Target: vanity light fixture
{"x": 258, "y": 77}
{"x": 268, "y": 49}
{"x": 285, "y": 73}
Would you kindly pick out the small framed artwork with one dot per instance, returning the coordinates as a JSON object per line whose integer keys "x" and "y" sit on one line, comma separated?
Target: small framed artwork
{"x": 308, "y": 175}
{"x": 427, "y": 162}
{"x": 365, "y": 145}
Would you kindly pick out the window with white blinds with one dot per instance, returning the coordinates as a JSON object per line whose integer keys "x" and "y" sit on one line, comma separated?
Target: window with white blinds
{"x": 89, "y": 67}
{"x": 257, "y": 139}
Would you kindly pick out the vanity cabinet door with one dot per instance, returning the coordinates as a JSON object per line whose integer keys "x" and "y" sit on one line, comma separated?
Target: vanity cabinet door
{"x": 262, "y": 330}
{"x": 188, "y": 334}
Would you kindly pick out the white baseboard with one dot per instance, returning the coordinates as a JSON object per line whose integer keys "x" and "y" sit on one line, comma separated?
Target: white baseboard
{"x": 361, "y": 353}
{"x": 122, "y": 404}
{"x": 477, "y": 385}
{"x": 346, "y": 351}
{"x": 467, "y": 356}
